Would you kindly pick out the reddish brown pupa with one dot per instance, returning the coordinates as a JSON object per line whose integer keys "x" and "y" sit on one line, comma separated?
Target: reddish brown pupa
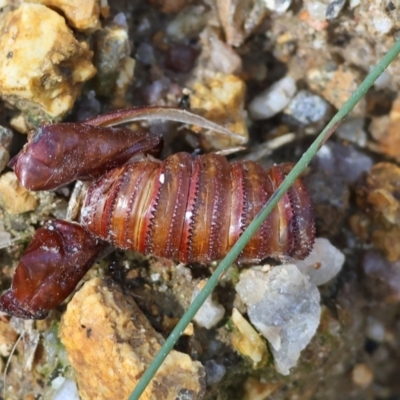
{"x": 183, "y": 208}
{"x": 194, "y": 210}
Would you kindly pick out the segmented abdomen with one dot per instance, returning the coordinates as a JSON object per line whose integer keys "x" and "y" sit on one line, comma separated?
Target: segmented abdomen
{"x": 194, "y": 210}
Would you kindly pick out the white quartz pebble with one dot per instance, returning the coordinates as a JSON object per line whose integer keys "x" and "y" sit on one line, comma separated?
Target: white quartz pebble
{"x": 324, "y": 262}
{"x": 283, "y": 304}
{"x": 273, "y": 100}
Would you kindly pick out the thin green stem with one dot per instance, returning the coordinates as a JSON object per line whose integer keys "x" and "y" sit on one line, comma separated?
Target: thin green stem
{"x": 261, "y": 216}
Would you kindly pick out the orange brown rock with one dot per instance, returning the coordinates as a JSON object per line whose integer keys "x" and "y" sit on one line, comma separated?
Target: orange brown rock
{"x": 110, "y": 343}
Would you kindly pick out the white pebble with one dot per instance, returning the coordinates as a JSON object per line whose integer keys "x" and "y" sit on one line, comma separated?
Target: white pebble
{"x": 354, "y": 3}
{"x": 285, "y": 310}
{"x": 382, "y": 23}
{"x": 210, "y": 312}
{"x": 375, "y": 330}
{"x": 307, "y": 107}
{"x": 66, "y": 389}
{"x": 224, "y": 58}
{"x": 383, "y": 81}
{"x": 273, "y": 100}
{"x": 352, "y": 129}
{"x": 279, "y": 6}
{"x": 317, "y": 10}
{"x": 324, "y": 262}
{"x": 5, "y": 237}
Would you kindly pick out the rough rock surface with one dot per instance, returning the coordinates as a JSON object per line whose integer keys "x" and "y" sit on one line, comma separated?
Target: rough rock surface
{"x": 14, "y": 197}
{"x": 215, "y": 99}
{"x": 82, "y": 15}
{"x": 42, "y": 65}
{"x": 110, "y": 343}
{"x": 283, "y": 305}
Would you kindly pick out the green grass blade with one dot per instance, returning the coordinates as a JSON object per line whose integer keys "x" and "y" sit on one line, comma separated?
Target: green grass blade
{"x": 262, "y": 215}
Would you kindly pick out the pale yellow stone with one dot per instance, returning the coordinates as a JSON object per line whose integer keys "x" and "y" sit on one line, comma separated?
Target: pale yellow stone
{"x": 221, "y": 99}
{"x": 82, "y": 15}
{"x": 362, "y": 375}
{"x": 42, "y": 65}
{"x": 8, "y": 336}
{"x": 255, "y": 389}
{"x": 247, "y": 341}
{"x": 14, "y": 197}
{"x": 189, "y": 330}
{"x": 20, "y": 124}
{"x": 110, "y": 343}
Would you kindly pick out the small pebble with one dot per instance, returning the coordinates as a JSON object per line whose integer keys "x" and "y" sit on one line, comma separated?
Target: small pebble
{"x": 283, "y": 304}
{"x": 214, "y": 372}
{"x": 381, "y": 22}
{"x": 66, "y": 389}
{"x": 343, "y": 161}
{"x": 279, "y": 6}
{"x": 180, "y": 58}
{"x": 6, "y": 136}
{"x": 354, "y": 3}
{"x": 240, "y": 18}
{"x": 334, "y": 8}
{"x": 317, "y": 10}
{"x": 383, "y": 81}
{"x": 247, "y": 341}
{"x": 224, "y": 58}
{"x": 156, "y": 89}
{"x": 120, "y": 19}
{"x": 307, "y": 108}
{"x": 5, "y": 237}
{"x": 353, "y": 130}
{"x": 362, "y": 375}
{"x": 8, "y": 336}
{"x": 258, "y": 389}
{"x": 188, "y": 23}
{"x": 273, "y": 100}
{"x": 210, "y": 312}
{"x": 145, "y": 54}
{"x": 14, "y": 197}
{"x": 375, "y": 330}
{"x": 324, "y": 262}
